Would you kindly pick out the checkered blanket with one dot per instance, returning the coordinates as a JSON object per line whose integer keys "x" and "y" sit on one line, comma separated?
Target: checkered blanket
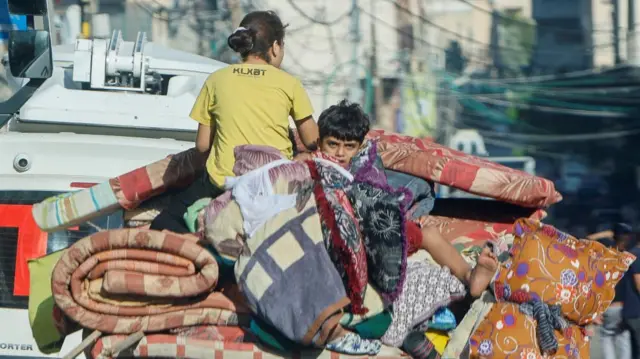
{"x": 176, "y": 346}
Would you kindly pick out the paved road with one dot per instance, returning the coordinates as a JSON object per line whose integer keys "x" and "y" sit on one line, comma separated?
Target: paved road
{"x": 595, "y": 346}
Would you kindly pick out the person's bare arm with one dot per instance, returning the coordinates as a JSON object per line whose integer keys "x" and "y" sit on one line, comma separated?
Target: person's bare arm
{"x": 202, "y": 113}
{"x": 600, "y": 235}
{"x": 204, "y": 139}
{"x": 308, "y": 132}
{"x": 636, "y": 279}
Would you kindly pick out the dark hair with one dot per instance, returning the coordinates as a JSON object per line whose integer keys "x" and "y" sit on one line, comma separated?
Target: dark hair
{"x": 620, "y": 229}
{"x": 256, "y": 34}
{"x": 344, "y": 121}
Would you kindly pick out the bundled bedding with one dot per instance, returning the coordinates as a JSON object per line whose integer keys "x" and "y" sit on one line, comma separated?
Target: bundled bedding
{"x": 548, "y": 290}
{"x": 307, "y": 258}
{"x": 130, "y": 280}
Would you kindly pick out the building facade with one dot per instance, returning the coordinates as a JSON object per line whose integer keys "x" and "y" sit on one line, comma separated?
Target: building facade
{"x": 580, "y": 34}
{"x": 603, "y": 33}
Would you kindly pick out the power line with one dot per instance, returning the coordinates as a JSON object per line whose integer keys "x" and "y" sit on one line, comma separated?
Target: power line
{"x": 568, "y": 76}
{"x": 472, "y": 40}
{"x": 407, "y": 33}
{"x": 316, "y": 21}
{"x": 582, "y": 137}
{"x": 529, "y": 148}
{"x": 488, "y": 97}
{"x": 554, "y": 109}
{"x": 484, "y": 61}
{"x": 524, "y": 22}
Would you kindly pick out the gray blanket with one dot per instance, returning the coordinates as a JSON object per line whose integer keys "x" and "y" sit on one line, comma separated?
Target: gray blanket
{"x": 288, "y": 279}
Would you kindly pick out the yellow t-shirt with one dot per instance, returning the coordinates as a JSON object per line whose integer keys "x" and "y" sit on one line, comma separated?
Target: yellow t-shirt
{"x": 248, "y": 104}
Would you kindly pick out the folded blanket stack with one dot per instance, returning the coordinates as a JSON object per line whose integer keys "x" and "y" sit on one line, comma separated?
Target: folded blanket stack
{"x": 125, "y": 281}
{"x": 129, "y": 281}
{"x": 163, "y": 287}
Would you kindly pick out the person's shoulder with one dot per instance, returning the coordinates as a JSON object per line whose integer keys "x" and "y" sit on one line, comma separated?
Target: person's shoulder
{"x": 284, "y": 76}
{"x": 217, "y": 75}
{"x": 222, "y": 72}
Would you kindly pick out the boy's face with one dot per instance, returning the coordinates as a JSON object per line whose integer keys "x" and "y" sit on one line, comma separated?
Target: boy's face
{"x": 341, "y": 150}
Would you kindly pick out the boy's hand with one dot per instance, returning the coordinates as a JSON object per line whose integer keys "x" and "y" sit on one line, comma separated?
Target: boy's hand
{"x": 303, "y": 156}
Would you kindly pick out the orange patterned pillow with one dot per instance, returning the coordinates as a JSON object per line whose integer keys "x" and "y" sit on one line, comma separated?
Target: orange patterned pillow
{"x": 578, "y": 275}
{"x": 508, "y": 333}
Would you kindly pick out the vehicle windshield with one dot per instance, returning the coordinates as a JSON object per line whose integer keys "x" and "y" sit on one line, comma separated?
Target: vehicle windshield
{"x": 21, "y": 239}
{"x": 8, "y": 85}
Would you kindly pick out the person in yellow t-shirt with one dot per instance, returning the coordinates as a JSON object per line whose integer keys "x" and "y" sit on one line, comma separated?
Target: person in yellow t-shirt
{"x": 246, "y": 103}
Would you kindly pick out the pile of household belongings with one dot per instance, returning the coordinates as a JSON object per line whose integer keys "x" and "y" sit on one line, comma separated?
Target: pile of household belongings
{"x": 274, "y": 278}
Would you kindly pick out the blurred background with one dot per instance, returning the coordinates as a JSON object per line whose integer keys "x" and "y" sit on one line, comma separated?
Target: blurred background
{"x": 549, "y": 86}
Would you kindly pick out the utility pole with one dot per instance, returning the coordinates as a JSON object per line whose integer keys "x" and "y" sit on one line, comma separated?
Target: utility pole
{"x": 235, "y": 8}
{"x": 425, "y": 51}
{"x": 377, "y": 85}
{"x": 496, "y": 54}
{"x": 405, "y": 41}
{"x": 615, "y": 14}
{"x": 404, "y": 66}
{"x": 355, "y": 91}
{"x": 632, "y": 46}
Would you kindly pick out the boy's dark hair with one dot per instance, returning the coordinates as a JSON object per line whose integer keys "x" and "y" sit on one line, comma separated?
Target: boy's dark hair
{"x": 256, "y": 34}
{"x": 345, "y": 121}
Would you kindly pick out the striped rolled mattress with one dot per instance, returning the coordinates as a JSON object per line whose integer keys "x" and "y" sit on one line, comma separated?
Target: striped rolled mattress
{"x": 127, "y": 192}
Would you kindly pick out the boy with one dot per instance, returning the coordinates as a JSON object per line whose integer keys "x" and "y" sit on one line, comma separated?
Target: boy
{"x": 343, "y": 128}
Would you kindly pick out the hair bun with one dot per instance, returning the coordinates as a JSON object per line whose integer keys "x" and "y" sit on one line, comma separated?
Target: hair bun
{"x": 241, "y": 40}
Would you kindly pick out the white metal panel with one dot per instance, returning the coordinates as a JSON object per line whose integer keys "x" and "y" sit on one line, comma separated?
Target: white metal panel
{"x": 16, "y": 339}
{"x": 56, "y": 160}
{"x": 55, "y": 104}
{"x": 168, "y": 61}
{"x": 82, "y": 61}
{"x": 98, "y": 62}
{"x": 60, "y": 102}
